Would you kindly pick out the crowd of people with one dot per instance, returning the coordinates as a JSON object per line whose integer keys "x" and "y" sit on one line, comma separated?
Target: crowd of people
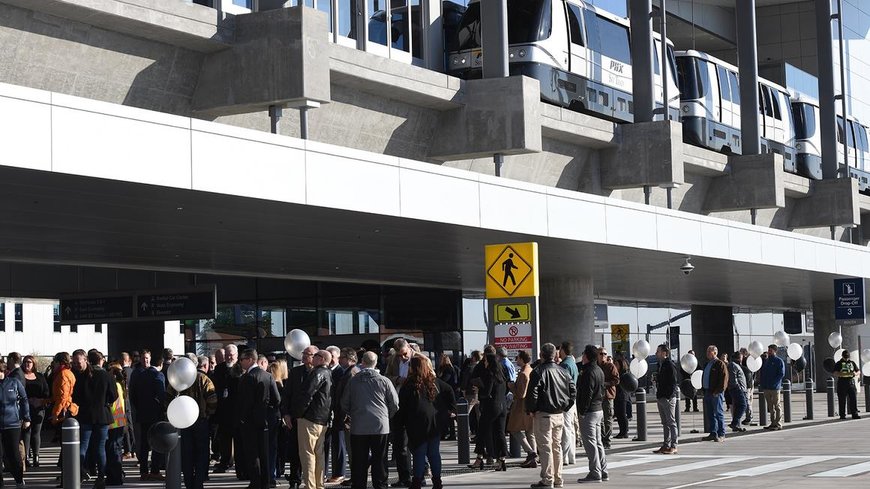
{"x": 267, "y": 421}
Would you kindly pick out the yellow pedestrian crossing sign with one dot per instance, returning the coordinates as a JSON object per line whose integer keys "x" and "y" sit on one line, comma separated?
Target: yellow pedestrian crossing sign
{"x": 511, "y": 270}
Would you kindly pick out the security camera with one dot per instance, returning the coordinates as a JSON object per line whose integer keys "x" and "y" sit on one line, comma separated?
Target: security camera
{"x": 687, "y": 267}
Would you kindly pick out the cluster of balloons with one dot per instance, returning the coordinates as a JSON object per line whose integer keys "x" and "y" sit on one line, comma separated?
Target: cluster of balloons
{"x": 639, "y": 366}
{"x": 182, "y": 412}
{"x": 835, "y": 339}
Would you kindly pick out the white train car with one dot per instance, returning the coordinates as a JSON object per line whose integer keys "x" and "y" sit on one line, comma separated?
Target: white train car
{"x": 580, "y": 54}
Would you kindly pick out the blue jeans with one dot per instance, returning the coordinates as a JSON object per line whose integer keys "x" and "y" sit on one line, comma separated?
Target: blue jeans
{"x": 428, "y": 450}
{"x": 715, "y": 412}
{"x": 194, "y": 454}
{"x": 339, "y": 451}
{"x": 95, "y": 434}
{"x": 738, "y": 405}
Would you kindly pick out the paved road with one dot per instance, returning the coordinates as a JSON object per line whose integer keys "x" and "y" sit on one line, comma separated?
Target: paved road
{"x": 809, "y": 456}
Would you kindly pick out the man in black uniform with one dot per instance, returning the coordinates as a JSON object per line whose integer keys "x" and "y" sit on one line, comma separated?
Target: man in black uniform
{"x": 226, "y": 383}
{"x": 257, "y": 392}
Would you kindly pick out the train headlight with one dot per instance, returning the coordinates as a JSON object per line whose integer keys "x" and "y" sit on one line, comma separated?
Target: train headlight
{"x": 455, "y": 60}
{"x": 463, "y": 61}
{"x": 522, "y": 53}
{"x": 511, "y": 55}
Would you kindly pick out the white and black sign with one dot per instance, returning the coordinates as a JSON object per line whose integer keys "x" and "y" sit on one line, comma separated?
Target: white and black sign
{"x": 114, "y": 307}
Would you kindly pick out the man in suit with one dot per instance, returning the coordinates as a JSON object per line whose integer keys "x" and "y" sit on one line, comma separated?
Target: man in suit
{"x": 257, "y": 392}
{"x": 148, "y": 395}
{"x": 311, "y": 408}
{"x": 397, "y": 372}
{"x": 226, "y": 381}
{"x": 292, "y": 390}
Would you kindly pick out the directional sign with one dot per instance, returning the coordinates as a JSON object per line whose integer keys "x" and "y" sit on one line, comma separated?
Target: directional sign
{"x": 849, "y": 300}
{"x": 511, "y": 270}
{"x": 96, "y": 309}
{"x": 517, "y": 313}
{"x": 177, "y": 305}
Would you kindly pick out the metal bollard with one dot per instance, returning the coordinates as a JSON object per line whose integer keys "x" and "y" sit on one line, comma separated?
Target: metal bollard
{"x": 762, "y": 409}
{"x": 677, "y": 414}
{"x": 70, "y": 439}
{"x": 866, "y": 395}
{"x": 462, "y": 432}
{"x": 810, "y": 387}
{"x": 786, "y": 401}
{"x": 640, "y": 402}
{"x": 516, "y": 448}
{"x": 173, "y": 467}
{"x": 830, "y": 390}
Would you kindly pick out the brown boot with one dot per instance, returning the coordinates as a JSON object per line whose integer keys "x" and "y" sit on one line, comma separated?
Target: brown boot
{"x": 436, "y": 483}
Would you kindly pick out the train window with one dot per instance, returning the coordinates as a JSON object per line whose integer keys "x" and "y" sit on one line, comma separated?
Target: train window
{"x": 861, "y": 131}
{"x": 574, "y": 24}
{"x": 840, "y": 129}
{"x": 614, "y": 40}
{"x": 468, "y": 33}
{"x": 656, "y": 59}
{"x": 692, "y": 77}
{"x": 735, "y": 87}
{"x": 529, "y": 20}
{"x": 724, "y": 87}
{"x": 764, "y": 101}
{"x": 774, "y": 102}
{"x": 804, "y": 120}
{"x": 850, "y": 139}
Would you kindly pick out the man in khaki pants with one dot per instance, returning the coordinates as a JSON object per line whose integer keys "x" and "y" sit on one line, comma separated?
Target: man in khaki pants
{"x": 550, "y": 394}
{"x": 311, "y": 409}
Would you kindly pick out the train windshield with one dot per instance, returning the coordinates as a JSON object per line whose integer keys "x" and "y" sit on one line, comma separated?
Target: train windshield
{"x": 528, "y": 21}
{"x": 691, "y": 78}
{"x": 804, "y": 120}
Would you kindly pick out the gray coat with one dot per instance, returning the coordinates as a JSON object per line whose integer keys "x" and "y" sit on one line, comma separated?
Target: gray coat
{"x": 736, "y": 380}
{"x": 370, "y": 400}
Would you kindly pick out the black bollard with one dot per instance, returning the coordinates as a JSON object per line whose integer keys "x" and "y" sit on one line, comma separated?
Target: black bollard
{"x": 515, "y": 448}
{"x": 866, "y": 395}
{"x": 786, "y": 400}
{"x": 677, "y": 414}
{"x": 173, "y": 468}
{"x": 462, "y": 432}
{"x": 830, "y": 390}
{"x": 640, "y": 414}
{"x": 762, "y": 409}
{"x": 70, "y": 436}
{"x": 809, "y": 392}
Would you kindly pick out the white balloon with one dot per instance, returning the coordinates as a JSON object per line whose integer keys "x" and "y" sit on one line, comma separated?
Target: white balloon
{"x": 753, "y": 363}
{"x": 780, "y": 338}
{"x": 638, "y": 367}
{"x": 182, "y": 412}
{"x": 296, "y": 341}
{"x": 689, "y": 363}
{"x": 865, "y": 355}
{"x": 835, "y": 339}
{"x": 756, "y": 348}
{"x": 795, "y": 351}
{"x": 866, "y": 369}
{"x": 838, "y": 354}
{"x": 697, "y": 379}
{"x": 854, "y": 357}
{"x": 181, "y": 374}
{"x": 641, "y": 349}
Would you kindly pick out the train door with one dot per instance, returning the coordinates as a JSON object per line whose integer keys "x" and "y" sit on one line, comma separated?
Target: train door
{"x": 765, "y": 120}
{"x": 841, "y": 158}
{"x": 734, "y": 136}
{"x": 852, "y": 142}
{"x": 615, "y": 64}
{"x": 577, "y": 41}
{"x": 726, "y": 109}
{"x": 863, "y": 147}
{"x": 599, "y": 98}
{"x": 777, "y": 122}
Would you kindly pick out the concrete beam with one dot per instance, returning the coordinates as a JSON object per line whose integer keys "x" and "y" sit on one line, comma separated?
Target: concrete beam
{"x": 830, "y": 203}
{"x": 498, "y": 115}
{"x": 279, "y": 57}
{"x": 175, "y": 23}
{"x": 752, "y": 182}
{"x": 650, "y": 153}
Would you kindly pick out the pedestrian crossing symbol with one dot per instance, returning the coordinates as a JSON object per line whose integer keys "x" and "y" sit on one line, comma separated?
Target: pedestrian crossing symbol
{"x": 511, "y": 270}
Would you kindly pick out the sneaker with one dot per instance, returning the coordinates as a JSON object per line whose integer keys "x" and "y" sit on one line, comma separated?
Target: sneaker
{"x": 558, "y": 484}
{"x": 588, "y": 479}
{"x": 710, "y": 437}
{"x": 661, "y": 450}
{"x": 673, "y": 451}
{"x": 719, "y": 439}
{"x": 540, "y": 484}
{"x": 605, "y": 477}
{"x": 856, "y": 416}
{"x": 746, "y": 422}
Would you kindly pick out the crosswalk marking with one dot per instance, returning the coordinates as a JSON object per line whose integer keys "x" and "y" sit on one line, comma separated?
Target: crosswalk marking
{"x": 846, "y": 471}
{"x": 775, "y": 467}
{"x": 692, "y": 466}
{"x": 615, "y": 465}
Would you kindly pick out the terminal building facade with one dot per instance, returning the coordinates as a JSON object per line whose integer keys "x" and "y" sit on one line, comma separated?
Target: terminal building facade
{"x": 325, "y": 172}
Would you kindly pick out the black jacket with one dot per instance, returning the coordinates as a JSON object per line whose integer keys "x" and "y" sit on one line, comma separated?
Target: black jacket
{"x": 226, "y": 386}
{"x": 667, "y": 382}
{"x": 493, "y": 394}
{"x": 590, "y": 389}
{"x": 257, "y": 394}
{"x": 418, "y": 415}
{"x": 550, "y": 389}
{"x": 95, "y": 394}
{"x": 313, "y": 402}
{"x": 292, "y": 389}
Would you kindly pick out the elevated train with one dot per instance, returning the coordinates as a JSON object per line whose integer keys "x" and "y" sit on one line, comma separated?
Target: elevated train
{"x": 580, "y": 54}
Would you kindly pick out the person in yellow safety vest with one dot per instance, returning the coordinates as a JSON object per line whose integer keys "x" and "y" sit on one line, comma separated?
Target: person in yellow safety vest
{"x": 845, "y": 370}
{"x": 115, "y": 443}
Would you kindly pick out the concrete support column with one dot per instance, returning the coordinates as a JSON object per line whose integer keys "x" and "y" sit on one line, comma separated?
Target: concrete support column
{"x": 643, "y": 85}
{"x": 747, "y": 56}
{"x": 824, "y": 325}
{"x": 712, "y": 325}
{"x": 494, "y": 41}
{"x": 567, "y": 311}
{"x": 827, "y": 110}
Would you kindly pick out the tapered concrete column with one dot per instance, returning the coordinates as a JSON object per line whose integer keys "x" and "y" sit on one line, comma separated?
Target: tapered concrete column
{"x": 643, "y": 84}
{"x": 747, "y": 54}
{"x": 824, "y": 325}
{"x": 712, "y": 325}
{"x": 827, "y": 104}
{"x": 567, "y": 311}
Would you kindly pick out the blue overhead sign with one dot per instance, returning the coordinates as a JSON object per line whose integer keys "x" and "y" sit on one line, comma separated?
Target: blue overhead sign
{"x": 849, "y": 300}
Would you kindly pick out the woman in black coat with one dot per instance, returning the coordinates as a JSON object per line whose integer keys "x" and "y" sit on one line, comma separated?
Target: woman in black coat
{"x": 94, "y": 392}
{"x": 38, "y": 396}
{"x": 418, "y": 414}
{"x": 493, "y": 412}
